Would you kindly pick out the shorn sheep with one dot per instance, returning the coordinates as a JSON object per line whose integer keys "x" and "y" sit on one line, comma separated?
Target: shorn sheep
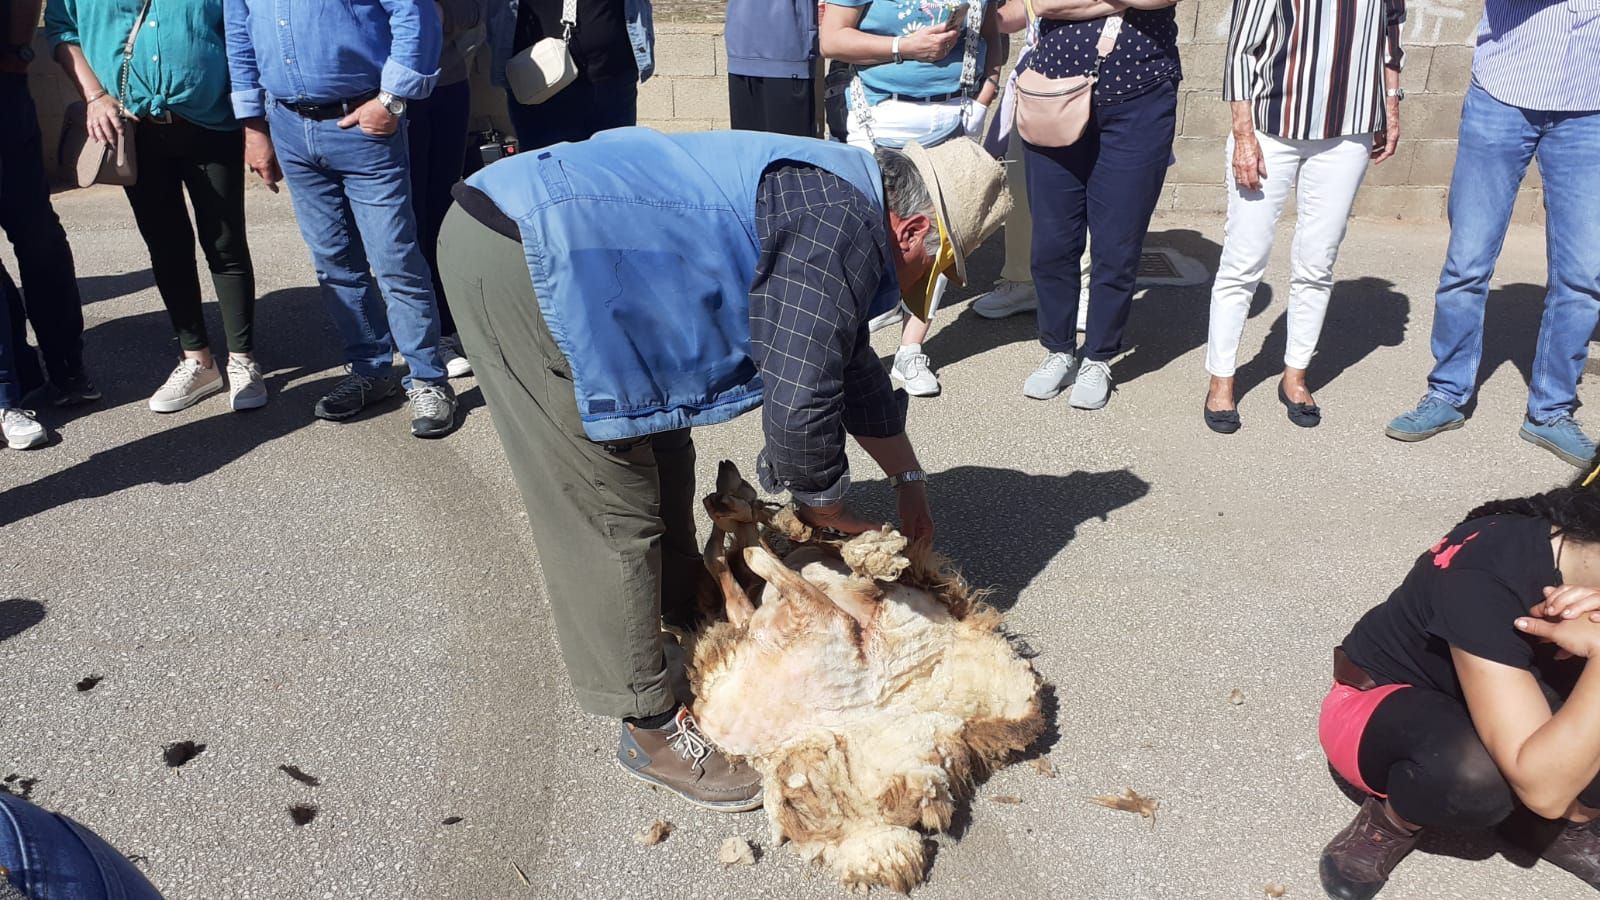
{"x": 862, "y": 678}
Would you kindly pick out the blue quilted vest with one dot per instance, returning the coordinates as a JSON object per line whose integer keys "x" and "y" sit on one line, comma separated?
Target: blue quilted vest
{"x": 642, "y": 247}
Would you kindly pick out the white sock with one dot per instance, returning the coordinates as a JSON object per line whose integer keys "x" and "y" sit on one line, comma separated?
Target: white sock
{"x": 908, "y": 350}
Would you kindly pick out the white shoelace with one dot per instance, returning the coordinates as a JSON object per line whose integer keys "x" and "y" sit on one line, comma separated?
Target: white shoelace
{"x": 14, "y": 417}
{"x": 429, "y": 401}
{"x": 182, "y": 378}
{"x": 1055, "y": 365}
{"x": 913, "y": 365}
{"x": 688, "y": 741}
{"x": 1094, "y": 373}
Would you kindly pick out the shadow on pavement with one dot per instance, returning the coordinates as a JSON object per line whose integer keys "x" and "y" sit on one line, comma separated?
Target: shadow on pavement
{"x": 18, "y": 615}
{"x": 1363, "y": 315}
{"x": 1511, "y": 320}
{"x": 96, "y": 288}
{"x": 978, "y": 511}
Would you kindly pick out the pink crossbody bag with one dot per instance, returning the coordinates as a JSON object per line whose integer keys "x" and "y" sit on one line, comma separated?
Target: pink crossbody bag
{"x": 1053, "y": 112}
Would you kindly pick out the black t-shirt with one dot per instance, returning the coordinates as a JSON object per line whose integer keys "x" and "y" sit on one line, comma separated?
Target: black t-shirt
{"x": 600, "y": 44}
{"x": 1465, "y": 591}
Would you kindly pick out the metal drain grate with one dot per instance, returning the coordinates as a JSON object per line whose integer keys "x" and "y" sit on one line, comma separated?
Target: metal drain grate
{"x": 1156, "y": 265}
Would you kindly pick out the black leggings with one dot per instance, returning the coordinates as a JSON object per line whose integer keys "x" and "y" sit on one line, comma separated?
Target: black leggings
{"x": 1420, "y": 748}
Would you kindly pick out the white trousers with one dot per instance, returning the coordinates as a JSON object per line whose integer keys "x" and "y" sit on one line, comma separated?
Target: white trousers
{"x": 1328, "y": 173}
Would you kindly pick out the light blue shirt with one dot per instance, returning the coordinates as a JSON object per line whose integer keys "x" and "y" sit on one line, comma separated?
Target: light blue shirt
{"x": 914, "y": 78}
{"x": 1540, "y": 54}
{"x": 313, "y": 51}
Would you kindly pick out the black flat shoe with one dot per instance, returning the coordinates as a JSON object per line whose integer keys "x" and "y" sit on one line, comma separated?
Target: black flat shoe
{"x": 1224, "y": 422}
{"x": 1306, "y": 415}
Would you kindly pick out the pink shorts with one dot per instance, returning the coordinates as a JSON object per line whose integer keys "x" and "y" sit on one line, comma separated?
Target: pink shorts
{"x": 1345, "y": 713}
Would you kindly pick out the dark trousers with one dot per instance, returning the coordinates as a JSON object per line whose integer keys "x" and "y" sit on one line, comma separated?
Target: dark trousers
{"x": 776, "y": 105}
{"x": 437, "y": 131}
{"x": 209, "y": 165}
{"x": 581, "y": 110}
{"x": 1421, "y": 749}
{"x": 13, "y": 342}
{"x": 614, "y": 525}
{"x": 49, "y": 296}
{"x": 1106, "y": 186}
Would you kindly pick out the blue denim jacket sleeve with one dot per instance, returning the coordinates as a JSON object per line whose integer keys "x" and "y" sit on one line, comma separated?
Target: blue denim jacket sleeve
{"x": 503, "y": 28}
{"x": 416, "y": 39}
{"x": 249, "y": 100}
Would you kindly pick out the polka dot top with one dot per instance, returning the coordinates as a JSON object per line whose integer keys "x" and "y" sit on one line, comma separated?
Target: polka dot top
{"x": 1145, "y": 57}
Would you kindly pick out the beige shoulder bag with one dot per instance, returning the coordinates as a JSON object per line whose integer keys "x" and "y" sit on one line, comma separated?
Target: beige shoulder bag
{"x": 541, "y": 71}
{"x": 1053, "y": 112}
{"x": 88, "y": 161}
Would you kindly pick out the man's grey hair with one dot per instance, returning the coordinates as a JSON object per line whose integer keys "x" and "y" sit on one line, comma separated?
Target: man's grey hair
{"x": 907, "y": 195}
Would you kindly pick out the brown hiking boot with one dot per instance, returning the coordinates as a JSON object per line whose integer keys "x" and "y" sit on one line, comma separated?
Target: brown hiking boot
{"x": 1576, "y": 848}
{"x": 1357, "y": 862}
{"x": 679, "y": 758}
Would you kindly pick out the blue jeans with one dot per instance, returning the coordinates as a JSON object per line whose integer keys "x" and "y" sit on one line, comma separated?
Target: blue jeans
{"x": 436, "y": 131}
{"x": 51, "y": 856}
{"x": 352, "y": 196}
{"x": 581, "y": 110}
{"x": 1106, "y": 186}
{"x": 1496, "y": 143}
{"x": 49, "y": 296}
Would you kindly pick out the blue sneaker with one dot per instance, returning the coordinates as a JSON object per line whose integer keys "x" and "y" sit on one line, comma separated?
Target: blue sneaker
{"x": 1431, "y": 416}
{"x": 1562, "y": 437}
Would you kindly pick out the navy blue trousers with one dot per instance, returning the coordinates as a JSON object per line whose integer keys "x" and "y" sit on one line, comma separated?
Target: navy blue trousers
{"x": 436, "y": 129}
{"x": 1105, "y": 186}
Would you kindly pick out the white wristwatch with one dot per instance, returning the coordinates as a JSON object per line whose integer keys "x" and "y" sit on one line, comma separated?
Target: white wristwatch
{"x": 894, "y": 49}
{"x": 905, "y": 478}
{"x": 1397, "y": 93}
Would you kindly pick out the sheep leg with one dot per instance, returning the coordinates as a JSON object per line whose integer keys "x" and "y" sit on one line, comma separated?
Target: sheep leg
{"x": 736, "y": 603}
{"x": 810, "y": 599}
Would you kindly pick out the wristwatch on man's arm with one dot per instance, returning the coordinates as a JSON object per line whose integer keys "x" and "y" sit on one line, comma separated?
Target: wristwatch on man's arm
{"x": 395, "y": 105}
{"x": 908, "y": 477}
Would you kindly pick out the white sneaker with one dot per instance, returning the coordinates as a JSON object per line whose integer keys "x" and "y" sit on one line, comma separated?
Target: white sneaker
{"x": 1007, "y": 299}
{"x": 911, "y": 368}
{"x": 884, "y": 320}
{"x": 1052, "y": 376}
{"x": 246, "y": 390}
{"x": 1093, "y": 387}
{"x": 22, "y": 431}
{"x": 188, "y": 384}
{"x": 456, "y": 364}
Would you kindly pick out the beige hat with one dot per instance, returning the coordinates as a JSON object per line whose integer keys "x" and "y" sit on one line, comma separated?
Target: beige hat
{"x": 969, "y": 191}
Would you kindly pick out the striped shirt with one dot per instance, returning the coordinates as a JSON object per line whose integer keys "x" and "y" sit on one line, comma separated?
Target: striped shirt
{"x": 1313, "y": 69}
{"x": 1540, "y": 54}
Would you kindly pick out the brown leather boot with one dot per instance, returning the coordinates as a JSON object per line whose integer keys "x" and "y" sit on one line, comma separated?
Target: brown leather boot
{"x": 1576, "y": 848}
{"x": 1357, "y": 862}
{"x": 679, "y": 758}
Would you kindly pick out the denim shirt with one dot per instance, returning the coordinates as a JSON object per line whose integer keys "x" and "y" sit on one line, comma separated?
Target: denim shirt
{"x": 309, "y": 51}
{"x": 179, "y": 63}
{"x": 503, "y": 30}
{"x": 656, "y": 327}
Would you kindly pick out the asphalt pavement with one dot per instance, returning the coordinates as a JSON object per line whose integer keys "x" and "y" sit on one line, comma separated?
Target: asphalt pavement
{"x": 367, "y": 607}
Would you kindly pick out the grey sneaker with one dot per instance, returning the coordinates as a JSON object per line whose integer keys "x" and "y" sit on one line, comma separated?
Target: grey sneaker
{"x": 246, "y": 390}
{"x": 911, "y": 368}
{"x": 884, "y": 320}
{"x": 1432, "y": 416}
{"x": 188, "y": 384}
{"x": 433, "y": 410}
{"x": 1007, "y": 299}
{"x": 456, "y": 364}
{"x": 21, "y": 430}
{"x": 1093, "y": 386}
{"x": 352, "y": 394}
{"x": 1052, "y": 376}
{"x": 681, "y": 759}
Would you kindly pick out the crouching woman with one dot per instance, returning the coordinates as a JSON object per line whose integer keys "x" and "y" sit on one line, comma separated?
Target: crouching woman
{"x": 1475, "y": 689}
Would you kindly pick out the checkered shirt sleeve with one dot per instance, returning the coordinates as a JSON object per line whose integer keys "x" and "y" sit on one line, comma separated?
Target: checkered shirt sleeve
{"x": 824, "y": 250}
